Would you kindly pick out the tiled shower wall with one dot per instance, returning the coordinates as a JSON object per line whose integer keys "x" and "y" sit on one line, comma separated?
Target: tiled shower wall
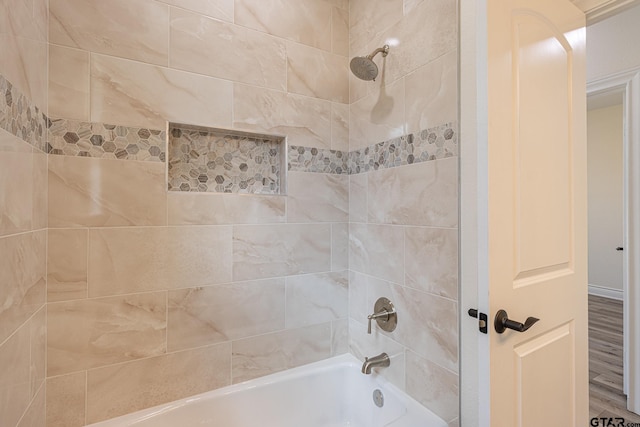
{"x": 23, "y": 214}
{"x": 157, "y": 295}
{"x": 403, "y": 220}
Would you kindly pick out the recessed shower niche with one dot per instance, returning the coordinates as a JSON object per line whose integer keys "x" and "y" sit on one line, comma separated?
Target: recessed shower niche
{"x": 213, "y": 160}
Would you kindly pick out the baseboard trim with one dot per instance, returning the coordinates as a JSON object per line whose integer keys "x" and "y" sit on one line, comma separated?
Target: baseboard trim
{"x": 601, "y": 291}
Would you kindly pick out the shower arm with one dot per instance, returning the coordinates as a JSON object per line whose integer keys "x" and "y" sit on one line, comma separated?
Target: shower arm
{"x": 384, "y": 49}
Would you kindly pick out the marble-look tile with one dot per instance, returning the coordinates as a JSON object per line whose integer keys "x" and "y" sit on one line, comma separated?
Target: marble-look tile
{"x": 99, "y": 192}
{"x": 358, "y": 189}
{"x": 261, "y": 251}
{"x": 441, "y": 395}
{"x": 218, "y": 9}
{"x": 23, "y": 283}
{"x": 317, "y": 197}
{"x": 68, "y": 83}
{"x": 419, "y": 194}
{"x": 135, "y": 30}
{"x": 432, "y": 93}
{"x": 432, "y": 333}
{"x": 339, "y": 246}
{"x": 313, "y": 72}
{"x": 427, "y": 33}
{"x": 86, "y": 334}
{"x": 16, "y": 180}
{"x": 220, "y": 49}
{"x": 213, "y": 314}
{"x": 38, "y": 340}
{"x": 340, "y": 31}
{"x": 66, "y": 396}
{"x": 67, "y": 264}
{"x": 305, "y": 121}
{"x": 378, "y": 116}
{"x": 15, "y": 383}
{"x": 266, "y": 354}
{"x": 316, "y": 298}
{"x": 431, "y": 260}
{"x": 36, "y": 413}
{"x": 128, "y": 387}
{"x": 339, "y": 126}
{"x": 339, "y": 337}
{"x": 366, "y": 22}
{"x": 137, "y": 94}
{"x": 358, "y": 285}
{"x": 377, "y": 250}
{"x": 40, "y": 195}
{"x": 23, "y": 61}
{"x": 343, "y": 4}
{"x": 454, "y": 423}
{"x": 409, "y": 5}
{"x": 216, "y": 209}
{"x": 127, "y": 260}
{"x": 307, "y": 22}
{"x": 363, "y": 345}
{"x": 318, "y": 160}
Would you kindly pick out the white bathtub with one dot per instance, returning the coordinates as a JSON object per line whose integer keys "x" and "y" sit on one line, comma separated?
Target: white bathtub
{"x": 330, "y": 393}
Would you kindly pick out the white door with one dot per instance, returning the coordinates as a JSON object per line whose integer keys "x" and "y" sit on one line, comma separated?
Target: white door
{"x": 536, "y": 217}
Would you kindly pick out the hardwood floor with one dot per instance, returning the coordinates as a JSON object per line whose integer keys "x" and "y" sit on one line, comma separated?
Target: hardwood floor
{"x": 606, "y": 398}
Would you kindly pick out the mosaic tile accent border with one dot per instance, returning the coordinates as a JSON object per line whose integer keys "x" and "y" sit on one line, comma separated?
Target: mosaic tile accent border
{"x": 85, "y": 139}
{"x": 222, "y": 161}
{"x": 21, "y": 117}
{"x": 306, "y": 159}
{"x": 429, "y": 144}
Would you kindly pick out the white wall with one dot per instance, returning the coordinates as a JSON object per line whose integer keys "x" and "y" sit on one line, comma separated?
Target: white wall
{"x": 611, "y": 45}
{"x": 605, "y": 179}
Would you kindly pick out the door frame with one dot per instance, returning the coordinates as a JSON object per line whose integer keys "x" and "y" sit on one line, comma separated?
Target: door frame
{"x": 629, "y": 83}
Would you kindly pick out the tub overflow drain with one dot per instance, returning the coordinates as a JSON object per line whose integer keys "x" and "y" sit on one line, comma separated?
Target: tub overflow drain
{"x": 378, "y": 398}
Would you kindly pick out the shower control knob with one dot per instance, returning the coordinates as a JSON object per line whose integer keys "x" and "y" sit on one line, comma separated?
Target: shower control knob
{"x": 384, "y": 314}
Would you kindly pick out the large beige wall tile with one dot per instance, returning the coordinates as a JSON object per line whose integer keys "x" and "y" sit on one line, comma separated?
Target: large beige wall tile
{"x": 16, "y": 181}
{"x": 40, "y": 194}
{"x": 317, "y": 197}
{"x": 15, "y": 383}
{"x": 366, "y": 21}
{"x": 38, "y": 344}
{"x": 219, "y": 49}
{"x": 23, "y": 61}
{"x": 23, "y": 285}
{"x": 432, "y": 93}
{"x": 441, "y": 396}
{"x": 212, "y": 314}
{"x": 67, "y": 264}
{"x": 339, "y": 246}
{"x": 431, "y": 260}
{"x": 66, "y": 396}
{"x": 307, "y": 22}
{"x": 339, "y": 337}
{"x": 131, "y": 260}
{"x": 128, "y": 387}
{"x": 90, "y": 333}
{"x": 428, "y": 32}
{"x": 218, "y": 9}
{"x": 339, "y": 126}
{"x": 340, "y": 31}
{"x": 377, "y": 250}
{"x": 215, "y": 209}
{"x": 100, "y": 192}
{"x": 136, "y": 94}
{"x": 68, "y": 83}
{"x": 36, "y": 413}
{"x": 378, "y": 117}
{"x": 318, "y": 74}
{"x": 316, "y": 298}
{"x": 419, "y": 194}
{"x": 358, "y": 189}
{"x": 305, "y": 121}
{"x": 136, "y": 30}
{"x": 266, "y": 354}
{"x": 358, "y": 285}
{"x": 261, "y": 251}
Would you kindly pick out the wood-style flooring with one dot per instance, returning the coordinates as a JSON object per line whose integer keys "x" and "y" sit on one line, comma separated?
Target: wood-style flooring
{"x": 606, "y": 398}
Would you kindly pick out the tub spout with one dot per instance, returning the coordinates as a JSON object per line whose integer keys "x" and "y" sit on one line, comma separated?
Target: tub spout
{"x": 382, "y": 360}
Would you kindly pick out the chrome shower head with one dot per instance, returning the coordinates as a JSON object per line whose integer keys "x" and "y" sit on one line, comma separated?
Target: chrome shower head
{"x": 364, "y": 68}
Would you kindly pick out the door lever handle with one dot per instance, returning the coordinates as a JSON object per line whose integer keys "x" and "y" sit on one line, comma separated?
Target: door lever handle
{"x": 502, "y": 323}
